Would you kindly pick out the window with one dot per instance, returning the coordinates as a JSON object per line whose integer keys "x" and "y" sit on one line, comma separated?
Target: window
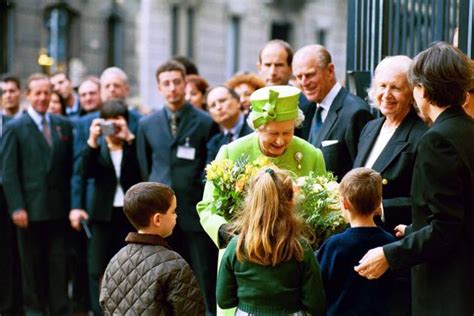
{"x": 6, "y": 35}
{"x": 174, "y": 30}
{"x": 58, "y": 21}
{"x": 190, "y": 34}
{"x": 233, "y": 47}
{"x": 281, "y": 31}
{"x": 115, "y": 48}
{"x": 321, "y": 36}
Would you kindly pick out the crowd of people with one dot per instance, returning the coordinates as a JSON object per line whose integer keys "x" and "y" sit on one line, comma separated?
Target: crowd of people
{"x": 106, "y": 210}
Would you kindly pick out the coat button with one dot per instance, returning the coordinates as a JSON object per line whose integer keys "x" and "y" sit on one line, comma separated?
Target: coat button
{"x": 384, "y": 181}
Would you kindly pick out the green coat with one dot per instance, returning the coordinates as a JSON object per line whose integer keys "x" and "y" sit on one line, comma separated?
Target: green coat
{"x": 312, "y": 160}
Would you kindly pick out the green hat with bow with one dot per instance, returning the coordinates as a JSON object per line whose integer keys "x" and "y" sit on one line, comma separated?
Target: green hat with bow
{"x": 276, "y": 103}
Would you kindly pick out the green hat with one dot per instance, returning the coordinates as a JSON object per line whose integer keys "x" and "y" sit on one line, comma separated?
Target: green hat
{"x": 276, "y": 103}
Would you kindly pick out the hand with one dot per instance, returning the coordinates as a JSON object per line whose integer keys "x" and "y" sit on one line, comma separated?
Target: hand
{"x": 400, "y": 230}
{"x": 373, "y": 264}
{"x": 122, "y": 130}
{"x": 94, "y": 132}
{"x": 76, "y": 216}
{"x": 20, "y": 218}
{"x": 225, "y": 235}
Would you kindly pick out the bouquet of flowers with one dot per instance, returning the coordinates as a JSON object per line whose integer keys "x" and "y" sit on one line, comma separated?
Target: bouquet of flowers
{"x": 230, "y": 180}
{"x": 317, "y": 196}
{"x": 319, "y": 206}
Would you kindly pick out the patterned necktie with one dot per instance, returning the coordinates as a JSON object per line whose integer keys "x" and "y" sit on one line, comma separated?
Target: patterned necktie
{"x": 229, "y": 137}
{"x": 316, "y": 125}
{"x": 47, "y": 132}
{"x": 174, "y": 124}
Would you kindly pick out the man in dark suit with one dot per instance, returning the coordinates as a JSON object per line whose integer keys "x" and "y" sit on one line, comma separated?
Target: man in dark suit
{"x": 10, "y": 286}
{"x": 334, "y": 117}
{"x": 37, "y": 166}
{"x": 223, "y": 105}
{"x": 171, "y": 145}
{"x": 438, "y": 246}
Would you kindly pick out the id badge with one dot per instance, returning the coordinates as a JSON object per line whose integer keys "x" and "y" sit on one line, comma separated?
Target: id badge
{"x": 186, "y": 152}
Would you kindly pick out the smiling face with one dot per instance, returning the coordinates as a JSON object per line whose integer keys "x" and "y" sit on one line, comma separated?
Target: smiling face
{"x": 393, "y": 94}
{"x": 275, "y": 137}
{"x": 39, "y": 94}
{"x": 314, "y": 78}
{"x": 62, "y": 85}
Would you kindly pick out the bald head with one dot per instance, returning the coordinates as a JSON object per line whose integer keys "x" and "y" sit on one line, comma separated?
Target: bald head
{"x": 314, "y": 71}
{"x": 274, "y": 63}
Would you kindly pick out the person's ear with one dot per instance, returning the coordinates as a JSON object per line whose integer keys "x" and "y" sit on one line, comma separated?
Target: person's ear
{"x": 156, "y": 219}
{"x": 345, "y": 203}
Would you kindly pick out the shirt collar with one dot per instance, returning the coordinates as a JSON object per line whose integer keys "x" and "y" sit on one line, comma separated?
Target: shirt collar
{"x": 329, "y": 99}
{"x": 38, "y": 118}
{"x": 235, "y": 130}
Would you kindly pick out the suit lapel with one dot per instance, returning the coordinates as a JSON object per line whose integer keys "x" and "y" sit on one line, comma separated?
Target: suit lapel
{"x": 35, "y": 132}
{"x": 163, "y": 126}
{"x": 366, "y": 144}
{"x": 331, "y": 117}
{"x": 396, "y": 144}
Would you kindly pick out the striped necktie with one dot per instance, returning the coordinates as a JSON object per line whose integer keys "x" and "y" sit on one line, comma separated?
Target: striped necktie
{"x": 47, "y": 132}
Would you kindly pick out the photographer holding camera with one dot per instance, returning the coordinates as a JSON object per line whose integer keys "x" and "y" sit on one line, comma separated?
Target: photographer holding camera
{"x": 109, "y": 158}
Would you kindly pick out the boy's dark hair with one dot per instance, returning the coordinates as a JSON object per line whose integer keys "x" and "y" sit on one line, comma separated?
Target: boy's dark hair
{"x": 145, "y": 199}
{"x": 445, "y": 73}
{"x": 113, "y": 109}
{"x": 362, "y": 187}
{"x": 171, "y": 65}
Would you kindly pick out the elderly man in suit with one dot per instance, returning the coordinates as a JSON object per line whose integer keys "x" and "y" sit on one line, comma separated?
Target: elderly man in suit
{"x": 334, "y": 117}
{"x": 37, "y": 166}
{"x": 223, "y": 105}
{"x": 171, "y": 145}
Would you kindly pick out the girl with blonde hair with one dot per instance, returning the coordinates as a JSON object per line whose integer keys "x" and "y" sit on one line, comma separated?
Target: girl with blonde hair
{"x": 270, "y": 268}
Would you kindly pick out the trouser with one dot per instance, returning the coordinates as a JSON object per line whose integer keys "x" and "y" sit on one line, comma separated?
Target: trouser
{"x": 108, "y": 237}
{"x": 77, "y": 256}
{"x": 10, "y": 282}
{"x": 42, "y": 249}
{"x": 201, "y": 254}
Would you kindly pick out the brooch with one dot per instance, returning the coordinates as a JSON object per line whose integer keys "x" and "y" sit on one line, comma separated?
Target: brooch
{"x": 298, "y": 158}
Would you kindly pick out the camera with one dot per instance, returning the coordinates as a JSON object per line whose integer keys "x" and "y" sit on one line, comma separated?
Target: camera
{"x": 107, "y": 128}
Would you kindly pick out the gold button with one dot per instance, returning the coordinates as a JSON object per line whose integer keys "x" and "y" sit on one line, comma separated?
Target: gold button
{"x": 384, "y": 181}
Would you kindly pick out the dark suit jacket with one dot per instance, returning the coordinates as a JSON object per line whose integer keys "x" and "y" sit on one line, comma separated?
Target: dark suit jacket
{"x": 157, "y": 154}
{"x": 216, "y": 141}
{"x": 37, "y": 177}
{"x": 5, "y": 120}
{"x": 97, "y": 164}
{"x": 439, "y": 244}
{"x": 82, "y": 190}
{"x": 345, "y": 120}
{"x": 395, "y": 164}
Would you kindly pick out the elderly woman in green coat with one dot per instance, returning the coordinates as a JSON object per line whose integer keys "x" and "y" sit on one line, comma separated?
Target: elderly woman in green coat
{"x": 274, "y": 116}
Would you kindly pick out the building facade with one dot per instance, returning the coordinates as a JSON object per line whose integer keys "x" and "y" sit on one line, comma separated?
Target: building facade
{"x": 83, "y": 37}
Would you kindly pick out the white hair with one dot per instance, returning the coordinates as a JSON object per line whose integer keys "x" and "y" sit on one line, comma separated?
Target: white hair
{"x": 114, "y": 71}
